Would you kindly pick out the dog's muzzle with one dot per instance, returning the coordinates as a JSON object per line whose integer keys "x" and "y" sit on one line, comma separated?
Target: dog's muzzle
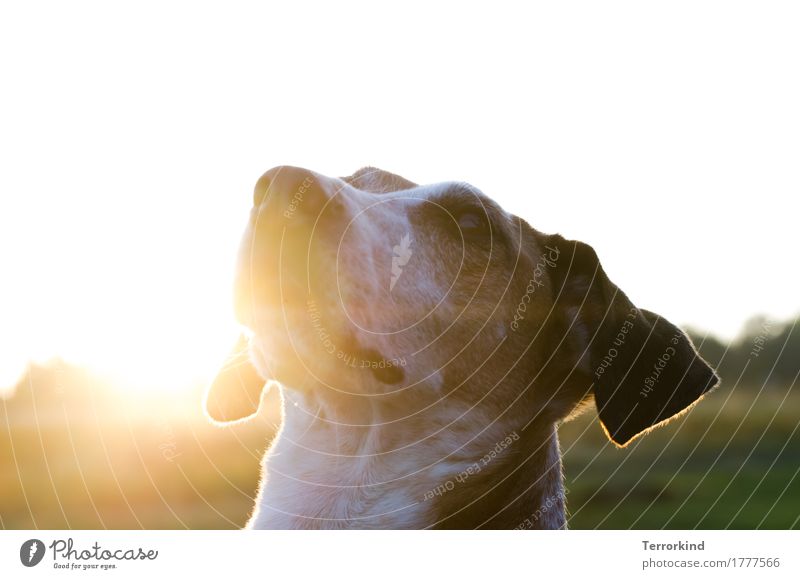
{"x": 288, "y": 259}
{"x": 294, "y": 211}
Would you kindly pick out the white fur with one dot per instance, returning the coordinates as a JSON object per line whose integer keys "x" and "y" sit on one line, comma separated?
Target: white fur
{"x": 308, "y": 483}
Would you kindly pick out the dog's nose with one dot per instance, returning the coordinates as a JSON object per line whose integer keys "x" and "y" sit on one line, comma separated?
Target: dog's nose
{"x": 292, "y": 192}
{"x": 295, "y": 210}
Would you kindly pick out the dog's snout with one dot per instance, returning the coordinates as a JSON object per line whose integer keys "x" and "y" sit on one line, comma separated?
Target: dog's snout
{"x": 292, "y": 193}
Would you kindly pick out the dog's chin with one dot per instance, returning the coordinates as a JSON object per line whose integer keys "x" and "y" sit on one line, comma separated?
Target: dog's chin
{"x": 338, "y": 362}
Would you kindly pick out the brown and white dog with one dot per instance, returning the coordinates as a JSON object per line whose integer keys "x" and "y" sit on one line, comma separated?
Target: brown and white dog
{"x": 427, "y": 344}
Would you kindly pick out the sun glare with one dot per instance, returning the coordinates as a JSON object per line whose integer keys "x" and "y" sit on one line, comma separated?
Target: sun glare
{"x": 140, "y": 313}
{"x": 166, "y": 354}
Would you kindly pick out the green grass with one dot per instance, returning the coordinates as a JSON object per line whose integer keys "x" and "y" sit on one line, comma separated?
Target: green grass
{"x": 731, "y": 462}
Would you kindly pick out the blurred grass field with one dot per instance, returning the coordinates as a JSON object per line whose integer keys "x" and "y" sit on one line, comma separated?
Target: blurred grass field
{"x": 733, "y": 462}
{"x": 78, "y": 455}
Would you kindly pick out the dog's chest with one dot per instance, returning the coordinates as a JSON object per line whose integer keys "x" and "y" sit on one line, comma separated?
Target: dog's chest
{"x": 327, "y": 477}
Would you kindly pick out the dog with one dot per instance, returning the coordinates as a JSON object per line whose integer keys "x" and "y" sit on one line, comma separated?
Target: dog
{"x": 427, "y": 344}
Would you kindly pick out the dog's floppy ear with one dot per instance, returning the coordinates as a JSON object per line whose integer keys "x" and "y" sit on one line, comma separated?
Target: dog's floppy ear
{"x": 235, "y": 394}
{"x": 644, "y": 370}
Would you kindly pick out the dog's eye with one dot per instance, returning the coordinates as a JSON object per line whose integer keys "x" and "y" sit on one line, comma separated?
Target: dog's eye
{"x": 469, "y": 221}
{"x": 472, "y": 223}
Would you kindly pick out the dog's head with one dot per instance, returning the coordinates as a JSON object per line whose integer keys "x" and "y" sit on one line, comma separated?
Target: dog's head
{"x": 371, "y": 287}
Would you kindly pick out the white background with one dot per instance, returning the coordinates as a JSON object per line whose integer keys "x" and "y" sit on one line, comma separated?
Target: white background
{"x": 131, "y": 134}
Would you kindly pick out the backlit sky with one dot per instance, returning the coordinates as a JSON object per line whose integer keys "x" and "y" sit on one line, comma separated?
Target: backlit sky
{"x": 131, "y": 137}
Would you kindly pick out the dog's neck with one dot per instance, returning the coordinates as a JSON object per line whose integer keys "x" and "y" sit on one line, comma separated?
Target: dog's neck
{"x": 325, "y": 471}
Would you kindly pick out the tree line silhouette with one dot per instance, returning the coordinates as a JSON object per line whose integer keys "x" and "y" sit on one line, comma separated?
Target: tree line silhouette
{"x": 766, "y": 354}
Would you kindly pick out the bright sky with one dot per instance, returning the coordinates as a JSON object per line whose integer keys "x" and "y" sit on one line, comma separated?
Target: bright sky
{"x": 664, "y": 134}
